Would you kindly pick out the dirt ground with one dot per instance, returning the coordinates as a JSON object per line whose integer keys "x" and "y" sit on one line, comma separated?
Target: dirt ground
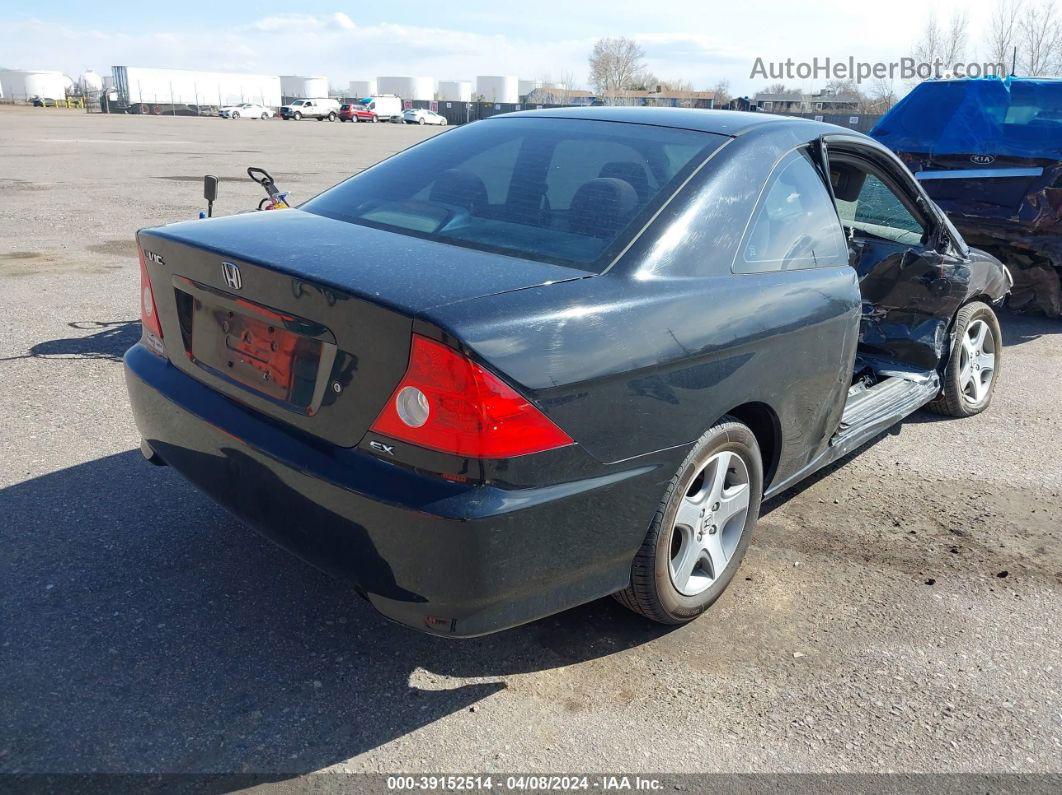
{"x": 899, "y": 612}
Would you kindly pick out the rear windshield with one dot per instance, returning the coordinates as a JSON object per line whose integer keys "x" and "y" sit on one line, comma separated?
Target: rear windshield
{"x": 566, "y": 191}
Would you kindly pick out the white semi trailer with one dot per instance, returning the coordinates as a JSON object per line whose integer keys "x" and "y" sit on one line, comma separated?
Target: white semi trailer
{"x": 144, "y": 89}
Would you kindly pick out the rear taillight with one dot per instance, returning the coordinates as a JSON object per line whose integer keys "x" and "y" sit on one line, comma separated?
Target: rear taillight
{"x": 149, "y": 314}
{"x": 449, "y": 403}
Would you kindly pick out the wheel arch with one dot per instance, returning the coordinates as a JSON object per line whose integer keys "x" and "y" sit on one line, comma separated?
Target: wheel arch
{"x": 765, "y": 426}
{"x": 974, "y": 297}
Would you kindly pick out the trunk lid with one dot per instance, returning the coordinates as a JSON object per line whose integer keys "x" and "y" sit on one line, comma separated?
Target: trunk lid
{"x": 307, "y": 319}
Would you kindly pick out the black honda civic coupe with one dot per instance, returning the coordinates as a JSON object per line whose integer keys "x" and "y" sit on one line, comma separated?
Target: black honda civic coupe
{"x": 556, "y": 355}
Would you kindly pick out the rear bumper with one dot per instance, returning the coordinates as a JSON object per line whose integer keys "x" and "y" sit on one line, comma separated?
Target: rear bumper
{"x": 454, "y": 560}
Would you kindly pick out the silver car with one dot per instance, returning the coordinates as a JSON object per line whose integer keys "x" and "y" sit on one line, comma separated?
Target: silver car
{"x": 246, "y": 110}
{"x": 422, "y": 116}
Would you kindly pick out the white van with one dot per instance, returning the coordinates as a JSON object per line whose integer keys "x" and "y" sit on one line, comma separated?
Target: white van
{"x": 385, "y": 107}
{"x": 319, "y": 109}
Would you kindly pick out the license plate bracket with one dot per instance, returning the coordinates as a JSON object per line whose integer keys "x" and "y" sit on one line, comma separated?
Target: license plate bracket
{"x": 255, "y": 347}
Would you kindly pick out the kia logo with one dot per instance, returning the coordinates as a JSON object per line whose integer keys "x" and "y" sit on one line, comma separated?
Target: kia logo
{"x": 982, "y": 160}
{"x": 231, "y": 272}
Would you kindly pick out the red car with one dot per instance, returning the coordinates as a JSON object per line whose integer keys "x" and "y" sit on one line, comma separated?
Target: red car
{"x": 355, "y": 111}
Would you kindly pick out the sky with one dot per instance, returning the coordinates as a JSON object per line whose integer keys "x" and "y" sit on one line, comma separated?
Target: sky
{"x": 695, "y": 40}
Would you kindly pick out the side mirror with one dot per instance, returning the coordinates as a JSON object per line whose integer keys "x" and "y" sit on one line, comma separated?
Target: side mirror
{"x": 210, "y": 192}
{"x": 942, "y": 241}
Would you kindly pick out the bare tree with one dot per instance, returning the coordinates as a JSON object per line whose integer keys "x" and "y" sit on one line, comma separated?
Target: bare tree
{"x": 956, "y": 39}
{"x": 644, "y": 81}
{"x": 1003, "y": 32}
{"x": 1039, "y": 38}
{"x": 554, "y": 91}
{"x": 777, "y": 88}
{"x": 845, "y": 87}
{"x": 615, "y": 65}
{"x": 722, "y": 93}
{"x": 680, "y": 85}
{"x": 879, "y": 97}
{"x": 945, "y": 46}
{"x": 547, "y": 91}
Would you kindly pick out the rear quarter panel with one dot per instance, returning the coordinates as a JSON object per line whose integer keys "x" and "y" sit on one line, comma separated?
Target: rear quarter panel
{"x": 649, "y": 354}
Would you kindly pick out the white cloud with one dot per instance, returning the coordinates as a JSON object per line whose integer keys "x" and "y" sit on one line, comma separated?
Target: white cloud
{"x": 343, "y": 21}
{"x": 333, "y": 45}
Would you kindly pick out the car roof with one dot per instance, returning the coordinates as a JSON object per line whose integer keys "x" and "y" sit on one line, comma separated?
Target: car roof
{"x": 722, "y": 122}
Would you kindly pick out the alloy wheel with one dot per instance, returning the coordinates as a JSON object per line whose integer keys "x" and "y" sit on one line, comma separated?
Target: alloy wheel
{"x": 709, "y": 523}
{"x": 977, "y": 361}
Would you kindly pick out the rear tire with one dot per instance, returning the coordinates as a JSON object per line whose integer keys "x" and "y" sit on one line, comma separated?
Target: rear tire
{"x": 969, "y": 379}
{"x": 701, "y": 529}
{"x": 332, "y": 116}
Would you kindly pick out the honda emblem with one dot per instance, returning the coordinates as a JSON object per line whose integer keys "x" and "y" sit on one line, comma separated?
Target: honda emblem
{"x": 231, "y": 272}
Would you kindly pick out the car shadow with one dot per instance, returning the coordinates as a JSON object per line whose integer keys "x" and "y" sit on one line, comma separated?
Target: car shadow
{"x": 108, "y": 339}
{"x": 780, "y": 499}
{"x": 1018, "y": 328}
{"x": 146, "y": 630}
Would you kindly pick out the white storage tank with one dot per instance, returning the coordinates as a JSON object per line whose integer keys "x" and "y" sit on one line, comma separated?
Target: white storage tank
{"x": 498, "y": 88}
{"x": 406, "y": 87}
{"x": 455, "y": 90}
{"x": 526, "y": 87}
{"x": 90, "y": 82}
{"x": 362, "y": 88}
{"x": 303, "y": 87}
{"x": 29, "y": 83}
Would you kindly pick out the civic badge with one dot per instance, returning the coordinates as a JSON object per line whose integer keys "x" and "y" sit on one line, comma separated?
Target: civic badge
{"x": 231, "y": 272}
{"x": 982, "y": 160}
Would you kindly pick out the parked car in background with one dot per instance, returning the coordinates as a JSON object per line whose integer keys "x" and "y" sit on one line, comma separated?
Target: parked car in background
{"x": 348, "y": 111}
{"x": 422, "y": 116}
{"x": 989, "y": 152}
{"x": 385, "y": 107}
{"x": 319, "y": 109}
{"x": 246, "y": 110}
{"x": 574, "y": 351}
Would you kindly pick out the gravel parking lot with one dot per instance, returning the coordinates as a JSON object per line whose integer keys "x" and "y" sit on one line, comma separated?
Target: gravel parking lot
{"x": 900, "y": 612}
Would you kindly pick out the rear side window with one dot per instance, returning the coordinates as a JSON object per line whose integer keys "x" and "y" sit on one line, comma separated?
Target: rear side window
{"x": 794, "y": 225}
{"x": 567, "y": 191}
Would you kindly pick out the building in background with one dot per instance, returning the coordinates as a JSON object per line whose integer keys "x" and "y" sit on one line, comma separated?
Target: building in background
{"x": 661, "y": 97}
{"x": 455, "y": 90}
{"x": 298, "y": 87}
{"x": 498, "y": 88}
{"x": 825, "y": 101}
{"x": 525, "y": 87}
{"x": 552, "y": 95}
{"x": 362, "y": 88}
{"x": 422, "y": 88}
{"x": 23, "y": 84}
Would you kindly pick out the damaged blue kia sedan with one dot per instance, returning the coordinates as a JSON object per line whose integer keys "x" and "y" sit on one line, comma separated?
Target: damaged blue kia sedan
{"x": 557, "y": 355}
